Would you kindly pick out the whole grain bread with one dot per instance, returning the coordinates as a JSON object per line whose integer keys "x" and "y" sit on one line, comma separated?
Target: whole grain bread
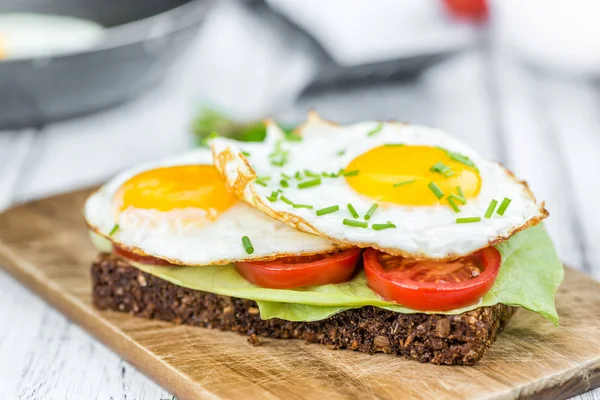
{"x": 440, "y": 339}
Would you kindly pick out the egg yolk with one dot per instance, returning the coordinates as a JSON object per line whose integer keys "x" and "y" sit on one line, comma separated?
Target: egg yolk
{"x": 178, "y": 187}
{"x": 402, "y": 174}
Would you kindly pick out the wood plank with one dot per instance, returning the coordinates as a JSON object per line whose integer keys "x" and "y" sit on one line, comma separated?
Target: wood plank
{"x": 44, "y": 244}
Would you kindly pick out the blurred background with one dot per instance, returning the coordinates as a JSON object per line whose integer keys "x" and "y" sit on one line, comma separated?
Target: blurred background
{"x": 88, "y": 87}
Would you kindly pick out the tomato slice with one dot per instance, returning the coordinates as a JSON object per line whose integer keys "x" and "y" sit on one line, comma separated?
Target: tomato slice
{"x": 432, "y": 285}
{"x": 141, "y": 258}
{"x": 293, "y": 272}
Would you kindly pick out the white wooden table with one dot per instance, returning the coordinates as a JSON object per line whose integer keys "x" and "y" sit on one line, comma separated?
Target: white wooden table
{"x": 545, "y": 128}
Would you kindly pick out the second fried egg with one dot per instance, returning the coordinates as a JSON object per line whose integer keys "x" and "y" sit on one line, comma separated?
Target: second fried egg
{"x": 407, "y": 190}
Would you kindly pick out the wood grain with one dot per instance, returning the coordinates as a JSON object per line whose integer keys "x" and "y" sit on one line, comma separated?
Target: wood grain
{"x": 44, "y": 244}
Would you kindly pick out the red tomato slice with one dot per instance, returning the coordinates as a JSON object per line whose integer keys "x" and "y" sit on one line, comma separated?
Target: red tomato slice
{"x": 471, "y": 9}
{"x": 293, "y": 272}
{"x": 141, "y": 258}
{"x": 432, "y": 285}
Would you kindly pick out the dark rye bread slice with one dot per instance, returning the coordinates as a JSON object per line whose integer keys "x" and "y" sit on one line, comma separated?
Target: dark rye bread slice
{"x": 439, "y": 339}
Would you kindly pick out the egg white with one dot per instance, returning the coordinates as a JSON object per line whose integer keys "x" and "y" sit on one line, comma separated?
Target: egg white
{"x": 154, "y": 233}
{"x": 422, "y": 232}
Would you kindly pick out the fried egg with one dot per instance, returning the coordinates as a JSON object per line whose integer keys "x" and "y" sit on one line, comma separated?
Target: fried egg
{"x": 406, "y": 190}
{"x": 179, "y": 210}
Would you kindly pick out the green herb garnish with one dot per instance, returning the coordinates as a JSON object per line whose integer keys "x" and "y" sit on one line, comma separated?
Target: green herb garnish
{"x": 458, "y": 198}
{"x": 436, "y": 190}
{"x": 371, "y": 210}
{"x": 354, "y": 223}
{"x": 247, "y": 244}
{"x": 308, "y": 172}
{"x": 328, "y": 210}
{"x": 461, "y": 159}
{"x": 298, "y": 176}
{"x": 393, "y": 144}
{"x": 378, "y": 227}
{"x": 460, "y": 192}
{"x": 453, "y": 204}
{"x": 273, "y": 197}
{"x": 503, "y": 206}
{"x": 467, "y": 220}
{"x": 286, "y": 200}
{"x": 352, "y": 210}
{"x": 302, "y": 206}
{"x": 491, "y": 208}
{"x": 341, "y": 152}
{"x": 403, "y": 183}
{"x": 311, "y": 183}
{"x": 245, "y": 153}
{"x": 376, "y": 130}
{"x": 284, "y": 183}
{"x": 114, "y": 229}
{"x": 284, "y": 176}
{"x": 351, "y": 173}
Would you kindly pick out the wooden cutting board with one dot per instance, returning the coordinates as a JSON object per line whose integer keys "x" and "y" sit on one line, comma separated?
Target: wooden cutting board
{"x": 45, "y": 245}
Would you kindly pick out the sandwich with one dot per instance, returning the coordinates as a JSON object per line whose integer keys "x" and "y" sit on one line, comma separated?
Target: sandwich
{"x": 374, "y": 237}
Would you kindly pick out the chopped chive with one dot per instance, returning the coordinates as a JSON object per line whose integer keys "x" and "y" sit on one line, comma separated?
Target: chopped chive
{"x": 247, "y": 245}
{"x": 371, "y": 211}
{"x": 308, "y": 172}
{"x": 376, "y": 130}
{"x": 273, "y": 197}
{"x": 449, "y": 173}
{"x": 453, "y": 204}
{"x": 264, "y": 178}
{"x": 311, "y": 183}
{"x": 503, "y": 206}
{"x": 403, "y": 183}
{"x": 467, "y": 220}
{"x": 298, "y": 175}
{"x": 393, "y": 144}
{"x": 284, "y": 176}
{"x": 279, "y": 191}
{"x": 286, "y": 200}
{"x": 378, "y": 227}
{"x": 354, "y": 223}
{"x": 491, "y": 208}
{"x": 114, "y": 229}
{"x": 439, "y": 167}
{"x": 461, "y": 159}
{"x": 436, "y": 190}
{"x": 341, "y": 152}
{"x": 245, "y": 153}
{"x": 261, "y": 183}
{"x": 279, "y": 163}
{"x": 351, "y": 173}
{"x": 461, "y": 199}
{"x": 302, "y": 206}
{"x": 352, "y": 210}
{"x": 292, "y": 137}
{"x": 328, "y": 210}
{"x": 460, "y": 192}
{"x": 284, "y": 183}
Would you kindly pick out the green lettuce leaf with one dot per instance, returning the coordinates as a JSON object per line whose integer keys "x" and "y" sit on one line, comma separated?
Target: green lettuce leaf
{"x": 529, "y": 277}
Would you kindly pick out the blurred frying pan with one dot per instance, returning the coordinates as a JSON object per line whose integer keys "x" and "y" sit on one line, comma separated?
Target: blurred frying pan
{"x": 141, "y": 40}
